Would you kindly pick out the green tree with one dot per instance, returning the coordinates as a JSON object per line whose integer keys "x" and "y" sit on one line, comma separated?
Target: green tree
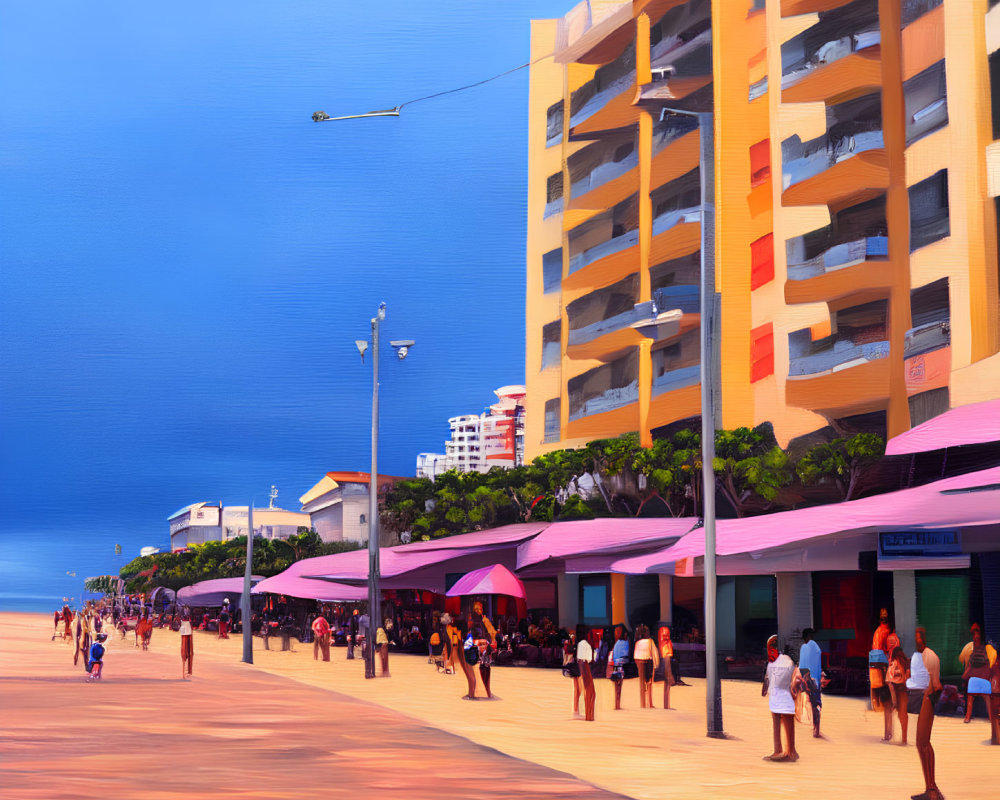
{"x": 841, "y": 461}
{"x": 750, "y": 467}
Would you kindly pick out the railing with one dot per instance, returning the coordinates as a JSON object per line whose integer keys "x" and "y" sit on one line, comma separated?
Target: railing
{"x": 551, "y": 352}
{"x": 914, "y": 9}
{"x": 686, "y": 298}
{"x": 841, "y": 255}
{"x": 553, "y": 207}
{"x": 615, "y": 323}
{"x": 608, "y": 400}
{"x": 830, "y": 354}
{"x": 665, "y": 222}
{"x": 676, "y": 379}
{"x": 667, "y": 132}
{"x": 602, "y": 173}
{"x": 602, "y": 98}
{"x": 672, "y": 49}
{"x": 926, "y": 338}
{"x": 827, "y": 53}
{"x": 820, "y": 154}
{"x": 607, "y": 248}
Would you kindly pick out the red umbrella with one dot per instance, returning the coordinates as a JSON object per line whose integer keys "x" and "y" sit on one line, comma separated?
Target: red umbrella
{"x": 488, "y": 580}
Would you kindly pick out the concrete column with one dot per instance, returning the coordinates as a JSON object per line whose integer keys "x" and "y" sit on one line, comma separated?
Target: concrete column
{"x": 667, "y": 599}
{"x": 618, "y": 609}
{"x": 904, "y": 593}
{"x": 795, "y": 607}
{"x": 568, "y": 593}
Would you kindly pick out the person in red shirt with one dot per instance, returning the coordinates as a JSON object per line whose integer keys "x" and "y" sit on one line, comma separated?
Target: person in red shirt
{"x": 321, "y": 640}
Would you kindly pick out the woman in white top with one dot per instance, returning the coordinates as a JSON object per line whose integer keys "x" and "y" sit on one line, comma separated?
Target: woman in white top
{"x": 187, "y": 644}
{"x": 647, "y": 659}
{"x": 780, "y": 681}
{"x": 584, "y": 658}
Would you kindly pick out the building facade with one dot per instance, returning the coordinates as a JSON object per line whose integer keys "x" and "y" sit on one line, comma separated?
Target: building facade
{"x": 855, "y": 227}
{"x": 338, "y": 506}
{"x": 494, "y": 438}
{"x": 213, "y": 522}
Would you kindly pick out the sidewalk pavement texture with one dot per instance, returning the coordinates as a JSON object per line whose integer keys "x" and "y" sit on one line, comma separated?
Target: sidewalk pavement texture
{"x": 641, "y": 753}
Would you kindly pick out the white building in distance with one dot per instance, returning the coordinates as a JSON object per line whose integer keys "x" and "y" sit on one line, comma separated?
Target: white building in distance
{"x": 212, "y": 522}
{"x": 338, "y": 506}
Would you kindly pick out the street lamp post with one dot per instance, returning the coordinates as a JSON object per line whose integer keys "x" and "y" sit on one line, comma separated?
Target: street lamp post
{"x": 706, "y": 172}
{"x": 402, "y": 347}
{"x": 245, "y": 605}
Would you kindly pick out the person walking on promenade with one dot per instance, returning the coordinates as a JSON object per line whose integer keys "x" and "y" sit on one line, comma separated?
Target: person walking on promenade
{"x": 187, "y": 643}
{"x": 67, "y": 618}
{"x": 58, "y": 619}
{"x": 224, "y": 620}
{"x": 878, "y": 663}
{"x": 95, "y": 657}
{"x": 484, "y": 638}
{"x": 585, "y": 661}
{"x": 352, "y": 634}
{"x": 616, "y": 664}
{"x": 978, "y": 658}
{"x": 453, "y": 641}
{"x": 571, "y": 669}
{"x": 780, "y": 680}
{"x": 382, "y": 646}
{"x": 466, "y": 656}
{"x": 86, "y": 637}
{"x": 321, "y": 637}
{"x": 931, "y": 666}
{"x": 811, "y": 658}
{"x": 647, "y": 659}
{"x": 897, "y": 675}
{"x": 144, "y": 630}
{"x": 995, "y": 703}
{"x": 667, "y": 658}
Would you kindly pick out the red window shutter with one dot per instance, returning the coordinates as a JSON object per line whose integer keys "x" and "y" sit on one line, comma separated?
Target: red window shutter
{"x": 760, "y": 162}
{"x": 761, "y": 352}
{"x": 762, "y": 261}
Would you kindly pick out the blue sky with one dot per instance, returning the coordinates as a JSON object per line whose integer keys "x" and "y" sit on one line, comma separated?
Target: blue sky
{"x": 186, "y": 259}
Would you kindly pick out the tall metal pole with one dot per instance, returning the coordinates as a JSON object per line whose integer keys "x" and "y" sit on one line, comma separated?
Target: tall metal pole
{"x": 374, "y": 593}
{"x": 245, "y": 598}
{"x": 713, "y": 685}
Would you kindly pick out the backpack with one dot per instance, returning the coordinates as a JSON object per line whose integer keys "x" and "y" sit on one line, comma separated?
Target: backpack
{"x": 979, "y": 659}
{"x": 471, "y": 653}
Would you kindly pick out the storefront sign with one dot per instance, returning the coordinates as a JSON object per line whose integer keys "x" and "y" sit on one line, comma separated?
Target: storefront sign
{"x": 919, "y": 543}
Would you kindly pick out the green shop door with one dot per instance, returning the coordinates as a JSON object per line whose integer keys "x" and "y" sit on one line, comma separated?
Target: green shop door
{"x": 943, "y": 609}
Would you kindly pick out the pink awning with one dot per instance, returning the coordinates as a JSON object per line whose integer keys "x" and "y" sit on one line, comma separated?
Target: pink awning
{"x": 211, "y": 593}
{"x": 977, "y": 423}
{"x": 310, "y": 588}
{"x": 495, "y": 579}
{"x": 589, "y": 536}
{"x": 963, "y": 501}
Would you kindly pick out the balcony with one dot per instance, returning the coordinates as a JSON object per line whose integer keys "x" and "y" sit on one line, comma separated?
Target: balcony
{"x": 860, "y": 336}
{"x": 602, "y": 166}
{"x": 600, "y": 322}
{"x": 830, "y": 276}
{"x": 613, "y": 245}
{"x": 606, "y": 388}
{"x": 914, "y": 9}
{"x": 678, "y": 365}
{"x": 793, "y": 8}
{"x": 837, "y": 58}
{"x": 604, "y": 102}
{"x": 554, "y": 124}
{"x": 829, "y": 170}
{"x": 601, "y": 248}
{"x": 927, "y": 338}
{"x": 686, "y": 299}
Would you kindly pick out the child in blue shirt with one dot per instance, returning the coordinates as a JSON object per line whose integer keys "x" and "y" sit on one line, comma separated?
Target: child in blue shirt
{"x": 619, "y": 655}
{"x": 97, "y": 657}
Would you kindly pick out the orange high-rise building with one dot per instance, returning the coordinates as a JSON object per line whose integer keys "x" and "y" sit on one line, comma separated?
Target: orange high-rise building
{"x": 855, "y": 234}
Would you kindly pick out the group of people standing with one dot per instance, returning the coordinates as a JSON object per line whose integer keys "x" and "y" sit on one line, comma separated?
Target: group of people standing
{"x": 459, "y": 645}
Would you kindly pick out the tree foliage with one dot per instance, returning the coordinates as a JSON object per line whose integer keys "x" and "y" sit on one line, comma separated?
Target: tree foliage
{"x": 842, "y": 462}
{"x": 749, "y": 467}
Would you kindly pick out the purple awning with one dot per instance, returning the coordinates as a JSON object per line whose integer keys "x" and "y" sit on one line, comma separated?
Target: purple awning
{"x": 978, "y": 423}
{"x": 964, "y": 501}
{"x": 209, "y": 594}
{"x": 495, "y": 579}
{"x": 310, "y": 588}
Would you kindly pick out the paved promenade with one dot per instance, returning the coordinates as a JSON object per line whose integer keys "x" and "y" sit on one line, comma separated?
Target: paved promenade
{"x": 288, "y": 720}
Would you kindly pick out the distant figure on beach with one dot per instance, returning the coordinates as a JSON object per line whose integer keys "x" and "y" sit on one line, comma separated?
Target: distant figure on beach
{"x": 67, "y": 618}
{"x": 647, "y": 659}
{"x": 896, "y": 676}
{"x": 85, "y": 631}
{"x": 58, "y": 618}
{"x": 977, "y": 658}
{"x": 144, "y": 630}
{"x": 811, "y": 659}
{"x": 616, "y": 663}
{"x": 382, "y": 645}
{"x": 484, "y": 637}
{"x": 930, "y": 666}
{"x": 321, "y": 638}
{"x": 779, "y": 680}
{"x": 187, "y": 643}
{"x": 585, "y": 660}
{"x": 96, "y": 658}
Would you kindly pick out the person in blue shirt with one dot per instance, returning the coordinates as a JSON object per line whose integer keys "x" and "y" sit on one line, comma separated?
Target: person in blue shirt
{"x": 97, "y": 657}
{"x": 811, "y": 659}
{"x": 619, "y": 655}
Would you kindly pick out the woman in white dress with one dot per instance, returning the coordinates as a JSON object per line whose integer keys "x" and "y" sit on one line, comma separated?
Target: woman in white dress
{"x": 781, "y": 680}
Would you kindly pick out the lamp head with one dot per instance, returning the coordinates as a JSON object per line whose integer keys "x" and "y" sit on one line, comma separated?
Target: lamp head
{"x": 362, "y": 345}
{"x": 320, "y": 116}
{"x": 402, "y": 347}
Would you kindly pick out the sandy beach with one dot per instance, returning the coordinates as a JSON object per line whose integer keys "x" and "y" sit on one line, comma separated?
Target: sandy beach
{"x": 272, "y": 720}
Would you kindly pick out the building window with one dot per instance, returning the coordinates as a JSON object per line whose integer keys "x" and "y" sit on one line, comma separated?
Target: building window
{"x": 551, "y": 420}
{"x": 554, "y": 194}
{"x": 761, "y": 352}
{"x": 363, "y": 519}
{"x": 551, "y": 344}
{"x": 552, "y": 271}
{"x": 926, "y": 100}
{"x": 762, "y": 261}
{"x": 995, "y": 91}
{"x": 554, "y": 124}
{"x": 929, "y": 219}
{"x": 595, "y": 599}
{"x": 760, "y": 162}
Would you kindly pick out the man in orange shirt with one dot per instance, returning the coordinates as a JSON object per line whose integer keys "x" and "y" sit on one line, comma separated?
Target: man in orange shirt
{"x": 925, "y": 721}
